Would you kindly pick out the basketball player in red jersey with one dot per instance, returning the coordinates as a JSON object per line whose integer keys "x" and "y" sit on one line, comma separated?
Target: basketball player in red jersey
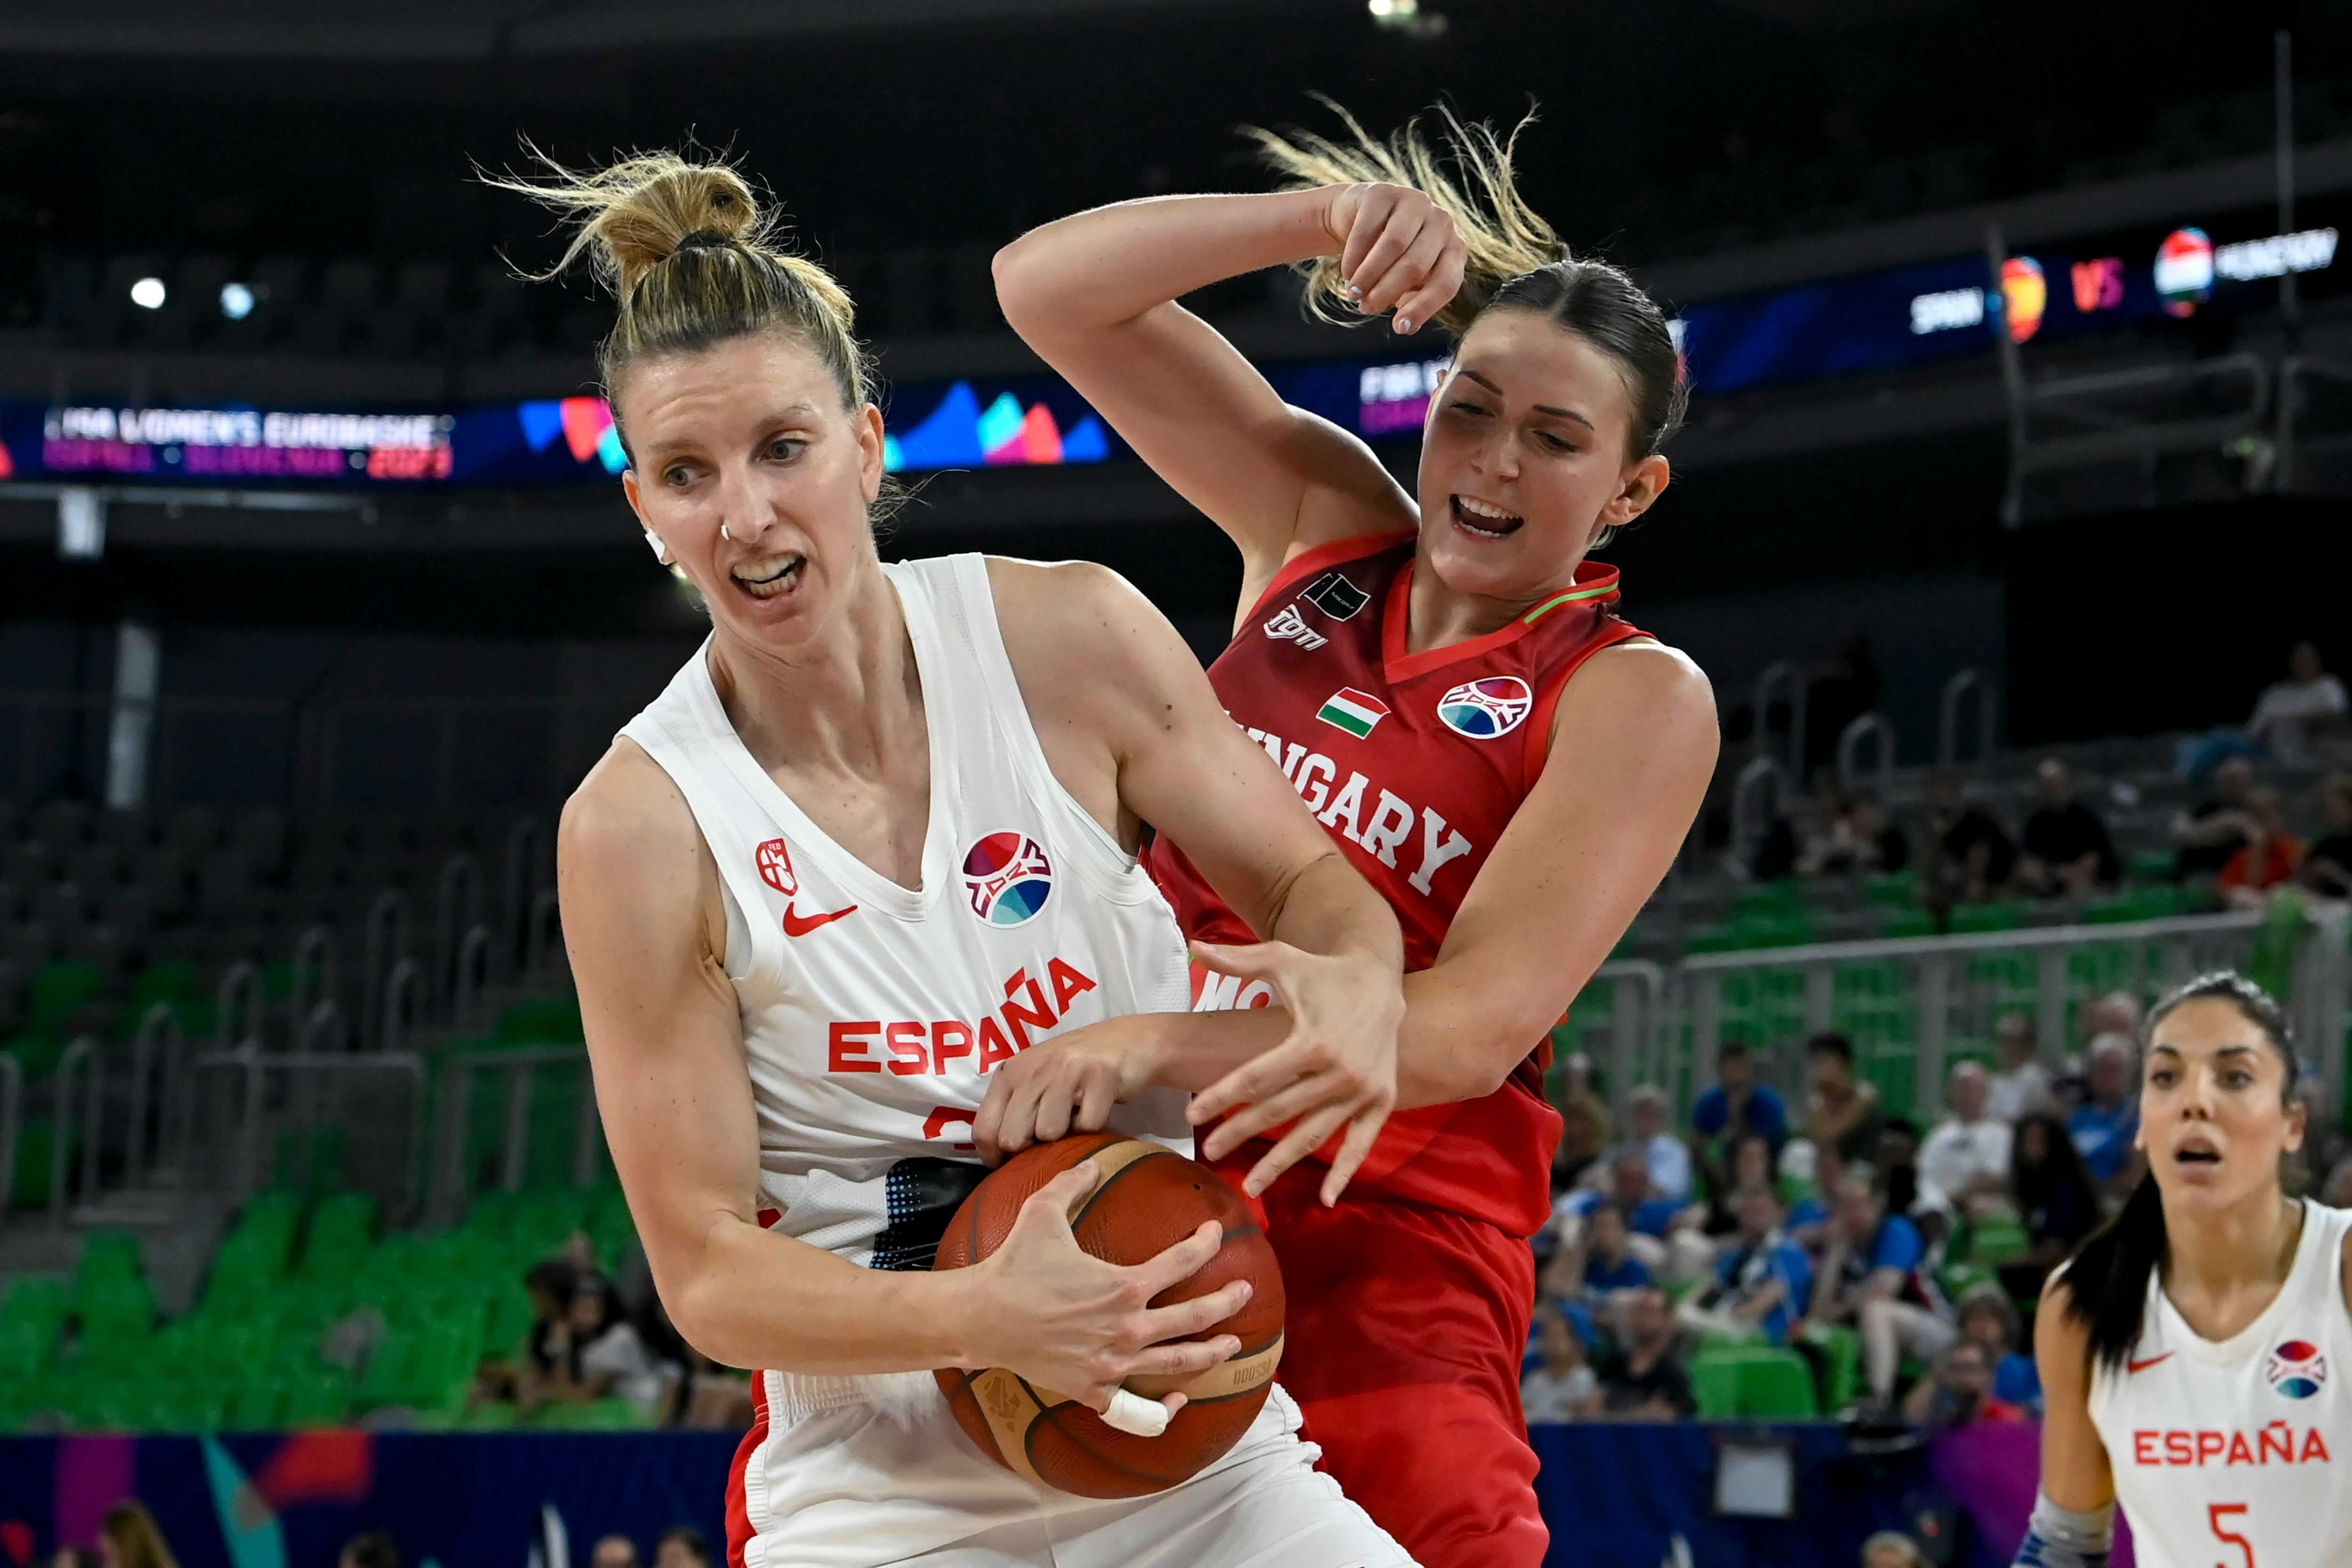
{"x": 1445, "y": 679}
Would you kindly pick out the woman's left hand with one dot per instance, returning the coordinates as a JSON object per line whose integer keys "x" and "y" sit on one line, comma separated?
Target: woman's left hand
{"x": 1336, "y": 1068}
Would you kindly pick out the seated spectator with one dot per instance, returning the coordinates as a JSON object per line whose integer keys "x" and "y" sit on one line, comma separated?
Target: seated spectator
{"x": 2066, "y": 846}
{"x": 682, "y": 1546}
{"x": 1586, "y": 1132}
{"x": 1669, "y": 1163}
{"x": 614, "y": 1551}
{"x": 2055, "y": 1198}
{"x": 1641, "y": 1376}
{"x": 1988, "y": 1317}
{"x": 2327, "y": 863}
{"x": 1881, "y": 848}
{"x": 1762, "y": 1281}
{"x": 1896, "y": 1163}
{"x": 2103, "y": 1128}
{"x": 596, "y": 1353}
{"x": 1839, "y": 1110}
{"x": 1892, "y": 1549}
{"x": 1972, "y": 858}
{"x": 2023, "y": 1083}
{"x": 1751, "y": 1165}
{"x": 1563, "y": 1385}
{"x": 1966, "y": 1159}
{"x": 2205, "y": 836}
{"x": 1736, "y": 1103}
{"x": 127, "y": 1538}
{"x": 1808, "y": 1223}
{"x": 377, "y": 1549}
{"x": 2271, "y": 854}
{"x": 1609, "y": 1261}
{"x": 1873, "y": 1275}
{"x": 1960, "y": 1393}
{"x": 2301, "y": 714}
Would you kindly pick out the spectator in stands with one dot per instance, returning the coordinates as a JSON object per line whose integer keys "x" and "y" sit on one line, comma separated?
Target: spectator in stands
{"x": 126, "y": 1538}
{"x": 1839, "y": 1110}
{"x": 2271, "y": 855}
{"x": 1892, "y": 1549}
{"x": 2023, "y": 1083}
{"x": 1988, "y": 1316}
{"x": 1667, "y": 1160}
{"x": 1966, "y": 1159}
{"x": 1871, "y": 1277}
{"x": 1749, "y": 1163}
{"x": 377, "y": 1549}
{"x": 1642, "y": 1377}
{"x": 2054, "y": 1195}
{"x": 600, "y": 1354}
{"x": 1563, "y": 1385}
{"x": 711, "y": 1397}
{"x": 2104, "y": 1126}
{"x": 1838, "y": 692}
{"x": 1971, "y": 857}
{"x": 2219, "y": 826}
{"x": 1880, "y": 846}
{"x": 2067, "y": 849}
{"x": 1808, "y": 1224}
{"x": 1763, "y": 1279}
{"x": 1609, "y": 1261}
{"x": 614, "y": 1551}
{"x": 1896, "y": 1161}
{"x": 548, "y": 1284}
{"x": 1736, "y": 1102}
{"x": 2304, "y": 713}
{"x": 2327, "y": 863}
{"x": 1960, "y": 1392}
{"x": 2335, "y": 1192}
{"x": 682, "y": 1546}
{"x": 1586, "y": 1132}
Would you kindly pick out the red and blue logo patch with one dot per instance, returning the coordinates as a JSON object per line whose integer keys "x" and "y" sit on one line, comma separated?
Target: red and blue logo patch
{"x": 1008, "y": 877}
{"x": 2297, "y": 1369}
{"x": 1485, "y": 709}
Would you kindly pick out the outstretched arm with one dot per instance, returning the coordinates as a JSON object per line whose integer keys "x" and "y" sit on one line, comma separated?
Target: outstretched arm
{"x": 1095, "y": 293}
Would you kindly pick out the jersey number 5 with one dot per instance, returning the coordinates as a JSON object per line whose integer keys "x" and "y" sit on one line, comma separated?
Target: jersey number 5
{"x": 2221, "y": 1513}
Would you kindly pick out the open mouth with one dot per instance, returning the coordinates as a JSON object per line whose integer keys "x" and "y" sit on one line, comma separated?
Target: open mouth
{"x": 1480, "y": 520}
{"x": 767, "y": 579}
{"x": 2195, "y": 1152}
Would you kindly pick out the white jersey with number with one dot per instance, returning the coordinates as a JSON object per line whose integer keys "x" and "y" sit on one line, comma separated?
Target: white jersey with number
{"x": 2234, "y": 1452}
{"x": 873, "y": 1013}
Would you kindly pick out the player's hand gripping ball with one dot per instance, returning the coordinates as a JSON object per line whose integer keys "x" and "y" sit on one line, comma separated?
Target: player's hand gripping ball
{"x": 1148, "y": 1199}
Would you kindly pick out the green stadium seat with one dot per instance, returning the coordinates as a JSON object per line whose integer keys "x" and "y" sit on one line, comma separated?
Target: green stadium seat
{"x": 1994, "y": 1242}
{"x": 1715, "y": 1384}
{"x": 1776, "y": 1386}
{"x": 1841, "y": 1351}
{"x": 542, "y": 1020}
{"x": 1998, "y": 915}
{"x": 58, "y": 991}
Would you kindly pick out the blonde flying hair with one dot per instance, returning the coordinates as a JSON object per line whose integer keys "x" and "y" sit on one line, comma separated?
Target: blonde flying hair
{"x": 692, "y": 259}
{"x": 137, "y": 1542}
{"x": 1516, "y": 259}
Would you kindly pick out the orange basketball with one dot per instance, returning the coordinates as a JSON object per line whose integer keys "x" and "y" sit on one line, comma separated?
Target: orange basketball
{"x": 1150, "y": 1198}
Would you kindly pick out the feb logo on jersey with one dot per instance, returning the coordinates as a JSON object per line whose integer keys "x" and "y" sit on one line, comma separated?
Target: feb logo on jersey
{"x": 1009, "y": 878}
{"x": 1485, "y": 709}
{"x": 2297, "y": 1369}
{"x": 775, "y": 864}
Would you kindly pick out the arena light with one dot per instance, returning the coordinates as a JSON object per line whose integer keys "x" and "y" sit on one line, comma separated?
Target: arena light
{"x": 236, "y": 301}
{"x": 148, "y": 293}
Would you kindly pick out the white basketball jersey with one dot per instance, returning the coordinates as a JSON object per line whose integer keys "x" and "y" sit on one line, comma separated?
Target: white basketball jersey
{"x": 873, "y": 1013}
{"x": 2232, "y": 1452}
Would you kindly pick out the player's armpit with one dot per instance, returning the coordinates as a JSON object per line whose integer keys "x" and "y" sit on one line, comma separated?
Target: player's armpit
{"x": 1635, "y": 742}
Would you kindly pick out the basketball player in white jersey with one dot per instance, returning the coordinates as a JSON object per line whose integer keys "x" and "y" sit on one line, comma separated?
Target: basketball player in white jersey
{"x": 2193, "y": 1351}
{"x": 877, "y": 838}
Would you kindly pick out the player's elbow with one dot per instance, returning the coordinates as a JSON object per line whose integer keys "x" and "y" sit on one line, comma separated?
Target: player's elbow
{"x": 1022, "y": 290}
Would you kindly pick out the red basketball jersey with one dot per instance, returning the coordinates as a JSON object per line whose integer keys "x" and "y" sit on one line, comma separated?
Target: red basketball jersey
{"x": 1415, "y": 762}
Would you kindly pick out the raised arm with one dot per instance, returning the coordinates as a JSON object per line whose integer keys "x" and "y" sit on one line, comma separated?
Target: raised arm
{"x": 1095, "y": 293}
{"x": 644, "y": 921}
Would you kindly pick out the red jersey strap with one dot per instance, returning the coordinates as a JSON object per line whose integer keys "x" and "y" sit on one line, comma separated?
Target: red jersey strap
{"x": 1540, "y": 722}
{"x": 1594, "y": 584}
{"x": 1322, "y": 558}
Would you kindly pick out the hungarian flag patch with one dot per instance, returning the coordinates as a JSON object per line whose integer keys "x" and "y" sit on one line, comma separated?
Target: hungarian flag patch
{"x": 1353, "y": 710}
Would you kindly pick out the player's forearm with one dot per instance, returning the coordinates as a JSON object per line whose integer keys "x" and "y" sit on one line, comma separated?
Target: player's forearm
{"x": 1326, "y": 908}
{"x": 1097, "y": 268}
{"x": 751, "y": 1298}
{"x": 1464, "y": 1033}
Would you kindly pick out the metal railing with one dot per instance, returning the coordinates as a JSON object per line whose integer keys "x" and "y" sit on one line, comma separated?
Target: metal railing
{"x": 1948, "y": 718}
{"x": 246, "y": 1097}
{"x": 1864, "y": 729}
{"x": 12, "y": 1130}
{"x": 455, "y": 1171}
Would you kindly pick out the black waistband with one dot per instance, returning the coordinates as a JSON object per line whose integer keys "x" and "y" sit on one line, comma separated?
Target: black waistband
{"x": 920, "y": 1196}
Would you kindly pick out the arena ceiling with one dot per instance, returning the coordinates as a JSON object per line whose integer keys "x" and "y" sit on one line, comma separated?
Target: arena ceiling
{"x": 483, "y": 29}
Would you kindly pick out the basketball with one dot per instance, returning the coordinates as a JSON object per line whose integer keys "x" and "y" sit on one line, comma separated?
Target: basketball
{"x": 1150, "y": 1197}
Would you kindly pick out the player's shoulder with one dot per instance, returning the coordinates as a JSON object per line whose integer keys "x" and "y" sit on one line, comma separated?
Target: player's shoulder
{"x": 1060, "y": 590}
{"x": 1062, "y": 618}
{"x": 1645, "y": 671}
{"x": 627, "y": 811}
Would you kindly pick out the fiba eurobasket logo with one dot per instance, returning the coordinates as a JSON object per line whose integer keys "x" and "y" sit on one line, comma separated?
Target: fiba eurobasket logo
{"x": 2297, "y": 1369}
{"x": 1485, "y": 709}
{"x": 1009, "y": 878}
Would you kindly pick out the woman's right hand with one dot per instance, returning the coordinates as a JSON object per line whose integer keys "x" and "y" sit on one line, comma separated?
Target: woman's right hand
{"x": 1397, "y": 247}
{"x": 1067, "y": 1322}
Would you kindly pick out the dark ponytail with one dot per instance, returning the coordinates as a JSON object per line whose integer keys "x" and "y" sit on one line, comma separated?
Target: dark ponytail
{"x": 2107, "y": 1276}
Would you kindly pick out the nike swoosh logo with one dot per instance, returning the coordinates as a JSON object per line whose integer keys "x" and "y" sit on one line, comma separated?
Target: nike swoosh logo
{"x": 2143, "y": 1365}
{"x": 801, "y": 925}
